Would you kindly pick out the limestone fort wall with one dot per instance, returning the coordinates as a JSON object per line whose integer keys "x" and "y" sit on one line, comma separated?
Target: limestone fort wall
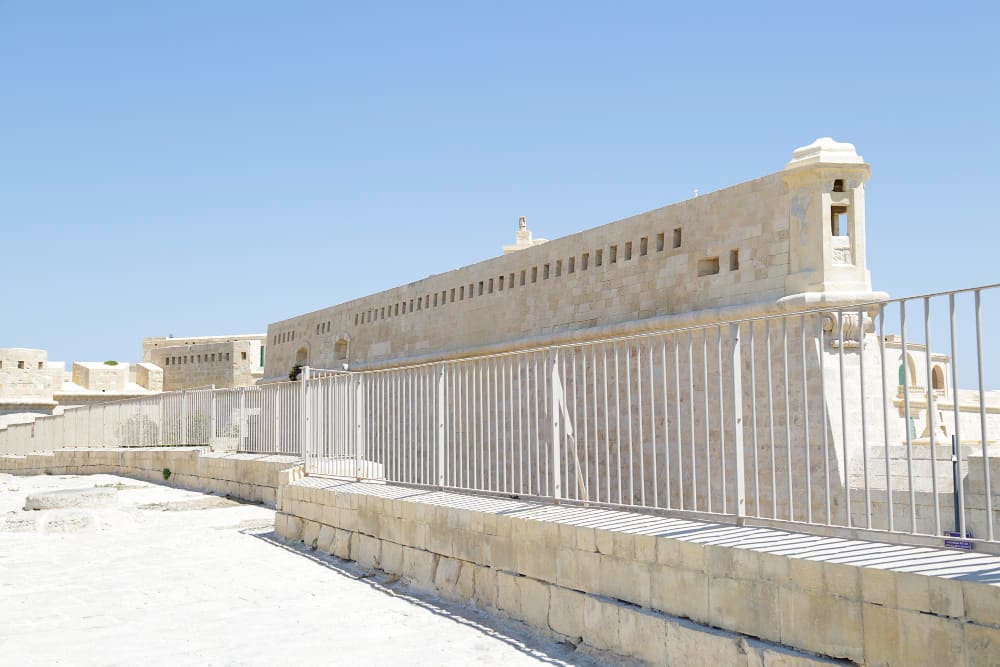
{"x": 754, "y": 243}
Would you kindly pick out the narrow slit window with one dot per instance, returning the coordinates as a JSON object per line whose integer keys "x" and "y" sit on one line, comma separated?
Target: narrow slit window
{"x": 677, "y": 237}
{"x": 628, "y": 250}
{"x": 734, "y": 259}
{"x": 584, "y": 261}
{"x": 545, "y": 272}
{"x": 838, "y": 220}
{"x": 491, "y": 286}
{"x": 571, "y": 268}
{"x": 558, "y": 268}
{"x": 524, "y": 273}
{"x": 613, "y": 255}
{"x": 452, "y": 295}
{"x": 838, "y": 185}
{"x": 500, "y": 284}
{"x": 461, "y": 293}
{"x": 481, "y": 283}
{"x": 643, "y": 246}
{"x": 659, "y": 243}
{"x": 534, "y": 274}
{"x": 599, "y": 258}
{"x": 510, "y": 281}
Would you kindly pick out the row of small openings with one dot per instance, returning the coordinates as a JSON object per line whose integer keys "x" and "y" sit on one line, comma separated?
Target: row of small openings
{"x": 709, "y": 266}
{"x": 285, "y": 337}
{"x": 21, "y": 364}
{"x": 498, "y": 284}
{"x": 198, "y": 359}
{"x": 323, "y": 327}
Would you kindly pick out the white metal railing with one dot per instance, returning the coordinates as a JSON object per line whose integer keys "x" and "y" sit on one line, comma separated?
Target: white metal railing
{"x": 872, "y": 417}
{"x": 261, "y": 419}
{"x": 833, "y": 417}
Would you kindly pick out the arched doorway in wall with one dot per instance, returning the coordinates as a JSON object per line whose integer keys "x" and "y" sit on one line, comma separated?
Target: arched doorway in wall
{"x": 937, "y": 378}
{"x": 302, "y": 357}
{"x": 341, "y": 350}
{"x": 907, "y": 371}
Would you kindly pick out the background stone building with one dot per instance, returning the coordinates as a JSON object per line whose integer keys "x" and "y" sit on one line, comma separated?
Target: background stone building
{"x": 202, "y": 361}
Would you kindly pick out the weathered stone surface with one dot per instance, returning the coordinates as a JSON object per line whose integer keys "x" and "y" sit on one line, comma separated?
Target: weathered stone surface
{"x": 63, "y": 498}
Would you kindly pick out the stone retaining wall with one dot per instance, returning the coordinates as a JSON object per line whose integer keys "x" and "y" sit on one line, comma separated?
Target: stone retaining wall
{"x": 251, "y": 477}
{"x": 667, "y": 591}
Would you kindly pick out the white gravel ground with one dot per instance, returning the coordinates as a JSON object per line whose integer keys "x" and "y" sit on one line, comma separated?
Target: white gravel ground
{"x": 172, "y": 577}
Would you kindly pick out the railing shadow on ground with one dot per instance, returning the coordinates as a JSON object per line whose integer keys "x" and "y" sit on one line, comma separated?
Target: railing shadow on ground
{"x": 930, "y": 561}
{"x": 513, "y": 633}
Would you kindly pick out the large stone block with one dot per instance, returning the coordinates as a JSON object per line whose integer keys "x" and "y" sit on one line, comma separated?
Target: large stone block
{"x": 680, "y": 593}
{"x": 690, "y": 644}
{"x": 746, "y": 606}
{"x": 566, "y": 612}
{"x": 534, "y": 602}
{"x": 822, "y": 624}
{"x": 418, "y": 567}
{"x": 601, "y": 623}
{"x": 643, "y": 635}
{"x": 369, "y": 551}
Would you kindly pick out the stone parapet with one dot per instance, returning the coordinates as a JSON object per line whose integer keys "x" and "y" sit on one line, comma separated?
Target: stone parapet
{"x": 664, "y": 590}
{"x": 250, "y": 477}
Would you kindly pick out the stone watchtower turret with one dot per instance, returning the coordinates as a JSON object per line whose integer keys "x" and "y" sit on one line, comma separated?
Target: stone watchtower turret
{"x": 826, "y": 182}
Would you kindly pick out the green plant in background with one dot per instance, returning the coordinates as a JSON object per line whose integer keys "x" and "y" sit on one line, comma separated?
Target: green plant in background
{"x": 110, "y": 362}
{"x": 166, "y": 474}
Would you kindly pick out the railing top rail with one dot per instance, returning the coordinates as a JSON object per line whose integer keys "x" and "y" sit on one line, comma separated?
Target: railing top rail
{"x": 819, "y": 310}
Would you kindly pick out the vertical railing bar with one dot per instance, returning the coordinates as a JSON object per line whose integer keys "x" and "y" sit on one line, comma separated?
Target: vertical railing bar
{"x": 862, "y": 397}
{"x": 907, "y": 376}
{"x": 722, "y": 422}
{"x": 788, "y": 420}
{"x": 694, "y": 437}
{"x": 753, "y": 419}
{"x": 931, "y": 416}
{"x": 843, "y": 420}
{"x": 770, "y": 420}
{"x": 708, "y": 417}
{"x": 805, "y": 417}
{"x": 984, "y": 439}
{"x": 960, "y": 490}
{"x": 652, "y": 424}
{"x": 885, "y": 420}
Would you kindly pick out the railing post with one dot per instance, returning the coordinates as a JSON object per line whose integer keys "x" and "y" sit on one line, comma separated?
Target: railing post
{"x": 184, "y": 418}
{"x": 736, "y": 364}
{"x": 555, "y": 415}
{"x": 304, "y": 414}
{"x": 211, "y": 419}
{"x": 359, "y": 425}
{"x": 441, "y": 394}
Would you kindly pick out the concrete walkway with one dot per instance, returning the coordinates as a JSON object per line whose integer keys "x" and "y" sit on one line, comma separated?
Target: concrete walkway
{"x": 174, "y": 577}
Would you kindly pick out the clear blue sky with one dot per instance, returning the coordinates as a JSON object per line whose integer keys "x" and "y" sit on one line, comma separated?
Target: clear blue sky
{"x": 209, "y": 167}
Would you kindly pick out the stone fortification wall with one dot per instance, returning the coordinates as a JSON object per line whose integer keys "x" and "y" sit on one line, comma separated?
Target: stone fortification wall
{"x": 250, "y": 477}
{"x": 796, "y": 232}
{"x": 662, "y": 590}
{"x": 224, "y": 361}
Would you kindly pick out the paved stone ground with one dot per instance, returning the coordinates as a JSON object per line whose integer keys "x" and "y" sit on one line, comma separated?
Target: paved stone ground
{"x": 181, "y": 578}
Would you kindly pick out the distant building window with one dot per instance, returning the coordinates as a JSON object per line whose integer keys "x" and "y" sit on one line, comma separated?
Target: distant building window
{"x": 243, "y": 356}
{"x": 40, "y": 365}
{"x": 20, "y": 364}
{"x": 659, "y": 243}
{"x": 584, "y": 261}
{"x": 677, "y": 237}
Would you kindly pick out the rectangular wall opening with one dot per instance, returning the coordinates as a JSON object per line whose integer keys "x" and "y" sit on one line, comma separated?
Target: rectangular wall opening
{"x": 572, "y": 265}
{"x": 628, "y": 251}
{"x": 558, "y": 268}
{"x": 584, "y": 261}
{"x": 545, "y": 272}
{"x": 677, "y": 237}
{"x": 708, "y": 266}
{"x": 643, "y": 246}
{"x": 659, "y": 243}
{"x": 613, "y": 254}
{"x": 734, "y": 259}
{"x": 599, "y": 258}
{"x": 838, "y": 220}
